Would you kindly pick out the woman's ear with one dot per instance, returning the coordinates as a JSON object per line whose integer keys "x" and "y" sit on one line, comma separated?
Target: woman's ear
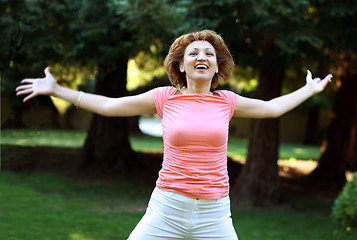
{"x": 181, "y": 67}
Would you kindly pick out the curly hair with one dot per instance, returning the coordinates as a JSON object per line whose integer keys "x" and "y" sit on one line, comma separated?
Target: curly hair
{"x": 177, "y": 50}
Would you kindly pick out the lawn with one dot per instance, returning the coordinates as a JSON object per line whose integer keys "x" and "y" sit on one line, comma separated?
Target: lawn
{"x": 237, "y": 148}
{"x": 41, "y": 206}
{"x": 49, "y": 206}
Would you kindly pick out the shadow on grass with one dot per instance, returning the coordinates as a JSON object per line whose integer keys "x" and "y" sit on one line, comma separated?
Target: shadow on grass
{"x": 144, "y": 169}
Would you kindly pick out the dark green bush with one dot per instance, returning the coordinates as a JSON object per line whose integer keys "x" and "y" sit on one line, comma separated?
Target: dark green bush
{"x": 344, "y": 210}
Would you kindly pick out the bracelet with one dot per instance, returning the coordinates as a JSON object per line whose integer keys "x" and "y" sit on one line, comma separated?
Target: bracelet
{"x": 78, "y": 101}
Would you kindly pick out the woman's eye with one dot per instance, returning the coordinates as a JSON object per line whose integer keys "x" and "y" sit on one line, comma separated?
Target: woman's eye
{"x": 192, "y": 54}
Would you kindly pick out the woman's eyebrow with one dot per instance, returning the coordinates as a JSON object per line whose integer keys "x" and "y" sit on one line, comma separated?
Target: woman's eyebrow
{"x": 195, "y": 49}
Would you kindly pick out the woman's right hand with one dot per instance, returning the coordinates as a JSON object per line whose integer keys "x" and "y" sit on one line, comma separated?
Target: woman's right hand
{"x": 33, "y": 87}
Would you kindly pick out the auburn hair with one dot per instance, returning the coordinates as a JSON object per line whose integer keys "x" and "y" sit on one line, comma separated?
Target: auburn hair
{"x": 177, "y": 50}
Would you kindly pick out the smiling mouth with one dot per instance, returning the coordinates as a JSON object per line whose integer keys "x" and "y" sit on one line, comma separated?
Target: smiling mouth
{"x": 201, "y": 67}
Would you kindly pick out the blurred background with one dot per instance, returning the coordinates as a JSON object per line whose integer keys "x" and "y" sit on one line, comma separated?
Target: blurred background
{"x": 117, "y": 47}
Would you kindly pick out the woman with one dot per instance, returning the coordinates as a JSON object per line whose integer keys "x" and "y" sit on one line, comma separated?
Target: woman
{"x": 191, "y": 198}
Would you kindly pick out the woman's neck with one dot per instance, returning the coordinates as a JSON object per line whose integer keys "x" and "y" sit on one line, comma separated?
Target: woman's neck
{"x": 198, "y": 88}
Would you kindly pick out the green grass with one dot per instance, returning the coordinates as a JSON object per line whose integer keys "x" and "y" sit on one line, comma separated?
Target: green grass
{"x": 54, "y": 138}
{"x": 42, "y": 206}
{"x": 47, "y": 206}
{"x": 237, "y": 148}
{"x": 39, "y": 206}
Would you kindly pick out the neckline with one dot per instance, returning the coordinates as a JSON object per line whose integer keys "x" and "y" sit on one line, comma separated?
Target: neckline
{"x": 215, "y": 93}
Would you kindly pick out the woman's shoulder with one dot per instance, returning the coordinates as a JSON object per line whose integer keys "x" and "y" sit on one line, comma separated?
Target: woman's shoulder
{"x": 166, "y": 89}
{"x": 162, "y": 93}
{"x": 226, "y": 93}
{"x": 229, "y": 96}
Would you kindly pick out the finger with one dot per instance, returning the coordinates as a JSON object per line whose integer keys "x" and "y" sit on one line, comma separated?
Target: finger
{"x": 29, "y": 97}
{"x": 28, "y": 80}
{"x": 47, "y": 71}
{"x": 23, "y": 87}
{"x": 328, "y": 78}
{"x": 308, "y": 76}
{"x": 324, "y": 83}
{"x": 27, "y": 91}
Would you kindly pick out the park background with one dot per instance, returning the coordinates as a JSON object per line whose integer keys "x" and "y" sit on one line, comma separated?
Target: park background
{"x": 68, "y": 174}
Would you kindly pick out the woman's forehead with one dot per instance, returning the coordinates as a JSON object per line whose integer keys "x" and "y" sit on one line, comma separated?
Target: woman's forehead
{"x": 200, "y": 44}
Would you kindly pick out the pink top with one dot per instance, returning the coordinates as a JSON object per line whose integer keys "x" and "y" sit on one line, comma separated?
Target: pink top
{"x": 195, "y": 136}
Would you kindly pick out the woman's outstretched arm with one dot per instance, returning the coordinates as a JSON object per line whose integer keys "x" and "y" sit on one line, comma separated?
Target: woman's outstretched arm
{"x": 110, "y": 107}
{"x": 255, "y": 108}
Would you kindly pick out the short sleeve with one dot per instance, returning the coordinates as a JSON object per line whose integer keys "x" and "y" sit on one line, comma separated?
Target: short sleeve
{"x": 231, "y": 99}
{"x": 160, "y": 95}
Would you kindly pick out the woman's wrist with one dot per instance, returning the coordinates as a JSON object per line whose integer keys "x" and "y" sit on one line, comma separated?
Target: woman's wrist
{"x": 78, "y": 100}
{"x": 66, "y": 94}
{"x": 309, "y": 89}
{"x": 56, "y": 90}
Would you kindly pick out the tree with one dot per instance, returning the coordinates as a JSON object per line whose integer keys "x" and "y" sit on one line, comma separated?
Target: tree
{"x": 262, "y": 157}
{"x": 107, "y": 34}
{"x": 277, "y": 34}
{"x": 32, "y": 36}
{"x": 95, "y": 34}
{"x": 338, "y": 23}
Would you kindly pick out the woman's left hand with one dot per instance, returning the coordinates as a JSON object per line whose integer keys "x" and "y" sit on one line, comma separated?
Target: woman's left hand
{"x": 317, "y": 85}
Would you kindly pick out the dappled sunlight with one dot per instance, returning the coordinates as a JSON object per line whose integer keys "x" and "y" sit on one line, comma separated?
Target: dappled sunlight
{"x": 43, "y": 138}
{"x": 299, "y": 150}
{"x": 71, "y": 77}
{"x": 236, "y": 157}
{"x": 61, "y": 105}
{"x": 243, "y": 79}
{"x": 349, "y": 176}
{"x": 140, "y": 73}
{"x": 237, "y": 147}
{"x": 290, "y": 151}
{"x": 78, "y": 236}
{"x": 303, "y": 166}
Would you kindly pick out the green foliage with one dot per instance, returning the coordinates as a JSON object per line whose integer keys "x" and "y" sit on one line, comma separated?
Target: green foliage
{"x": 31, "y": 38}
{"x": 337, "y": 23}
{"x": 344, "y": 211}
{"x": 88, "y": 33}
{"x": 277, "y": 34}
{"x": 288, "y": 23}
{"x": 106, "y": 30}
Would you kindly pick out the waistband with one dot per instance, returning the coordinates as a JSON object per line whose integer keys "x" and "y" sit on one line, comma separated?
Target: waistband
{"x": 184, "y": 198}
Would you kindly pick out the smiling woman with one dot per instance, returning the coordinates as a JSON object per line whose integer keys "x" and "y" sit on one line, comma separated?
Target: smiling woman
{"x": 191, "y": 198}
{"x": 214, "y": 46}
{"x": 199, "y": 65}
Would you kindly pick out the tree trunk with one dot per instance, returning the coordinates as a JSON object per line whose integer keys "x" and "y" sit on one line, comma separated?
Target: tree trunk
{"x": 352, "y": 152}
{"x": 258, "y": 184}
{"x": 330, "y": 173}
{"x": 107, "y": 144}
{"x": 15, "y": 121}
{"x": 311, "y": 133}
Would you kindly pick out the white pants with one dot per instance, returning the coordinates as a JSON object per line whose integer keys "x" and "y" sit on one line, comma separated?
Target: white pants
{"x": 173, "y": 216}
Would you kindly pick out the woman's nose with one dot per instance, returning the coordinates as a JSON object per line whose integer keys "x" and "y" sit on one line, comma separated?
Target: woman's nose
{"x": 201, "y": 56}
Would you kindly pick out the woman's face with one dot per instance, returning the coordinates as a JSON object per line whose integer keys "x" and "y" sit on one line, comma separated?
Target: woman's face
{"x": 199, "y": 61}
